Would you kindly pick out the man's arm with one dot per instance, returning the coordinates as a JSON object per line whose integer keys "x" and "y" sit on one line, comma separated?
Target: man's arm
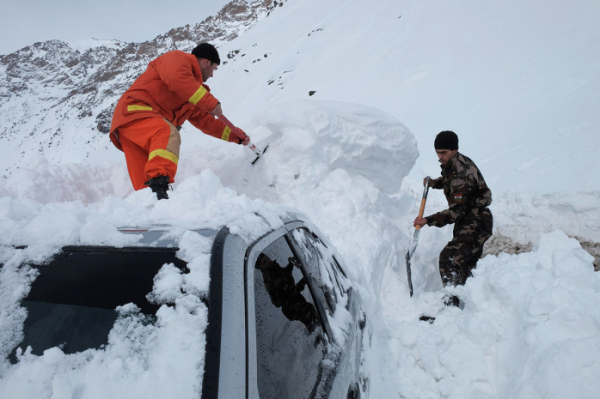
{"x": 460, "y": 189}
{"x": 208, "y": 124}
{"x": 448, "y": 216}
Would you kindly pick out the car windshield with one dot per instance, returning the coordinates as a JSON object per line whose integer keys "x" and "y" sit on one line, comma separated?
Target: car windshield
{"x": 72, "y": 302}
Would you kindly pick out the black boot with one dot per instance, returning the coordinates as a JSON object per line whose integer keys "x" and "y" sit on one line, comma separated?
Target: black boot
{"x": 159, "y": 185}
{"x": 451, "y": 301}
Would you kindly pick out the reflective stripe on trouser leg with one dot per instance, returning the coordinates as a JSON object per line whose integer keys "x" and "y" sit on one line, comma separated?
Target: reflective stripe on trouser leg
{"x": 164, "y": 152}
{"x": 139, "y": 138}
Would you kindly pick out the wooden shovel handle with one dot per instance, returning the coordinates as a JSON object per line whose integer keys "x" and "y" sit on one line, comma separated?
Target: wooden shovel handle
{"x": 421, "y": 211}
{"x": 424, "y": 200}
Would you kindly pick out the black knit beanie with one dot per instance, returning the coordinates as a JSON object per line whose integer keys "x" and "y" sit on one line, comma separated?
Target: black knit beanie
{"x": 446, "y": 140}
{"x": 208, "y": 51}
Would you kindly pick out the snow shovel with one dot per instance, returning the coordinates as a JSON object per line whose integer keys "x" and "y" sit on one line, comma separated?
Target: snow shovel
{"x": 415, "y": 239}
{"x": 241, "y": 136}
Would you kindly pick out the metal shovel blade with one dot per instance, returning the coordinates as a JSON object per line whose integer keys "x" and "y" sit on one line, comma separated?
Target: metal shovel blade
{"x": 415, "y": 239}
{"x": 259, "y": 155}
{"x": 409, "y": 255}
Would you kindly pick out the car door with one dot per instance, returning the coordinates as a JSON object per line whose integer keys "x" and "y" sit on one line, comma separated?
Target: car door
{"x": 287, "y": 342}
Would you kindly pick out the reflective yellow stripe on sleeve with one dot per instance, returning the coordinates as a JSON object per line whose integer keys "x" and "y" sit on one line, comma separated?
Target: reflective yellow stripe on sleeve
{"x": 226, "y": 133}
{"x": 198, "y": 95}
{"x": 138, "y": 108}
{"x": 164, "y": 154}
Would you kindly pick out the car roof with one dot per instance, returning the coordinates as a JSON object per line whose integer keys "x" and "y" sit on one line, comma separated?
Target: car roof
{"x": 162, "y": 236}
{"x": 166, "y": 236}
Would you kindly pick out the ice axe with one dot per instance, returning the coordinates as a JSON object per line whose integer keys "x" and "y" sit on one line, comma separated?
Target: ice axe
{"x": 241, "y": 136}
{"x": 415, "y": 239}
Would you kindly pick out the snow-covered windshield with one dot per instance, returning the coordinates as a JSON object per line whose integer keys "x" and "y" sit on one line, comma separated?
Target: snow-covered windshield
{"x": 72, "y": 334}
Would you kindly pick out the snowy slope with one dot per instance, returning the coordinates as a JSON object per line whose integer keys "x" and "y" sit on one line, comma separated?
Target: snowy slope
{"x": 518, "y": 82}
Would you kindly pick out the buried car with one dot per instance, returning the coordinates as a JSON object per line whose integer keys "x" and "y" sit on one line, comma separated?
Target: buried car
{"x": 283, "y": 320}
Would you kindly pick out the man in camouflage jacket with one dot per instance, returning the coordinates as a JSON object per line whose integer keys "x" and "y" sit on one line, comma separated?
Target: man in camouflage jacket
{"x": 468, "y": 200}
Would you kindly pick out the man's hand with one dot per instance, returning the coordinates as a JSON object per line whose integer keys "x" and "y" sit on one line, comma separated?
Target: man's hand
{"x": 419, "y": 222}
{"x": 425, "y": 179}
{"x": 246, "y": 138}
{"x": 217, "y": 111}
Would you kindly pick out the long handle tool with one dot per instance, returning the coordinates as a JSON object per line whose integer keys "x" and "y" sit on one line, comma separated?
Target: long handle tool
{"x": 415, "y": 239}
{"x": 241, "y": 136}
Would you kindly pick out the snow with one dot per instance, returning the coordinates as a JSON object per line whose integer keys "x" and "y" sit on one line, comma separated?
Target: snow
{"x": 325, "y": 160}
{"x": 529, "y": 329}
{"x": 141, "y": 360}
{"x": 515, "y": 81}
{"x": 84, "y": 45}
{"x": 317, "y": 152}
{"x": 576, "y": 215}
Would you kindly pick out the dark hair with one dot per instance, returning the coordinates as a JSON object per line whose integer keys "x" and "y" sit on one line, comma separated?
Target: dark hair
{"x": 208, "y": 51}
{"x": 446, "y": 140}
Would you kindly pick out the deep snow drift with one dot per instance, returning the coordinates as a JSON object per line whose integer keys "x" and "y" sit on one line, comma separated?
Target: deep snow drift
{"x": 327, "y": 160}
{"x": 529, "y": 328}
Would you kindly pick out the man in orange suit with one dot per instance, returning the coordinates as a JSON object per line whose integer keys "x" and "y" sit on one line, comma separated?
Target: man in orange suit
{"x": 149, "y": 115}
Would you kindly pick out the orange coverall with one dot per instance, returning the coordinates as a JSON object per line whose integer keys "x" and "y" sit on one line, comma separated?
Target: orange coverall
{"x": 144, "y": 124}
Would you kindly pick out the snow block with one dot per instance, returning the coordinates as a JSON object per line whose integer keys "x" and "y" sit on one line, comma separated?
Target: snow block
{"x": 361, "y": 140}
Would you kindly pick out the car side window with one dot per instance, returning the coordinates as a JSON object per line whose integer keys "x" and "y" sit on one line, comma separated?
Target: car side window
{"x": 323, "y": 267}
{"x": 289, "y": 347}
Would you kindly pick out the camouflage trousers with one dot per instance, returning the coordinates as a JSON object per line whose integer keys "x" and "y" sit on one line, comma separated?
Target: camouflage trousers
{"x": 459, "y": 257}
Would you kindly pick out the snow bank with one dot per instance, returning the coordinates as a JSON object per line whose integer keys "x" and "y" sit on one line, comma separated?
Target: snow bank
{"x": 523, "y": 216}
{"x": 361, "y": 140}
{"x": 199, "y": 202}
{"x": 337, "y": 163}
{"x": 44, "y": 182}
{"x": 529, "y": 329}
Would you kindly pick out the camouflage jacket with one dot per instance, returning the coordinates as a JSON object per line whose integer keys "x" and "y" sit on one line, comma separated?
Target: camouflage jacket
{"x": 465, "y": 190}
